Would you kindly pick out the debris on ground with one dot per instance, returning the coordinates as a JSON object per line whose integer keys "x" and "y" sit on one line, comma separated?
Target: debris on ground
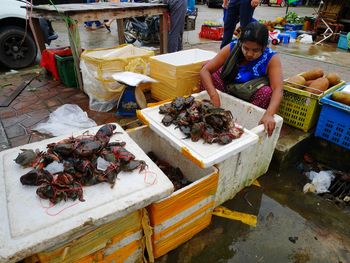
{"x": 64, "y": 120}
{"x": 331, "y": 184}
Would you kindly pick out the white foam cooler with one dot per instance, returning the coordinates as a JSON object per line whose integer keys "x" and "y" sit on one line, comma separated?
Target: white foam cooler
{"x": 178, "y": 217}
{"x": 241, "y": 161}
{"x": 27, "y": 228}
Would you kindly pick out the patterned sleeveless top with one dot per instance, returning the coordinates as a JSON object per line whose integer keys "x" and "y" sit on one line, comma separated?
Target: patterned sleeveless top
{"x": 254, "y": 69}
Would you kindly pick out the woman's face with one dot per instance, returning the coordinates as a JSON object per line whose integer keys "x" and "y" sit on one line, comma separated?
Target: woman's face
{"x": 251, "y": 50}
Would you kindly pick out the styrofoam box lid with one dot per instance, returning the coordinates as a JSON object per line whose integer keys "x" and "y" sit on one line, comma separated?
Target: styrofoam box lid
{"x": 26, "y": 226}
{"x": 206, "y": 154}
{"x": 185, "y": 57}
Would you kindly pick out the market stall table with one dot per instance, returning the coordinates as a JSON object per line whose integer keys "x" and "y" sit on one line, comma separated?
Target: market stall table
{"x": 79, "y": 13}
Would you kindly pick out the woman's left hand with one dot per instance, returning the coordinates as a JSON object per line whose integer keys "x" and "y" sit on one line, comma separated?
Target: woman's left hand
{"x": 269, "y": 123}
{"x": 254, "y": 3}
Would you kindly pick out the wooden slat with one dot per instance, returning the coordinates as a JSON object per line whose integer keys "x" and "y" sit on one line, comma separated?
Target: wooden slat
{"x": 120, "y": 28}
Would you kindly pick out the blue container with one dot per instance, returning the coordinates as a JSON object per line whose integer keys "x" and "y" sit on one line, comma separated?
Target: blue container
{"x": 293, "y": 27}
{"x": 334, "y": 122}
{"x": 343, "y": 42}
{"x": 284, "y": 38}
{"x": 293, "y": 34}
{"x": 127, "y": 104}
{"x": 190, "y": 5}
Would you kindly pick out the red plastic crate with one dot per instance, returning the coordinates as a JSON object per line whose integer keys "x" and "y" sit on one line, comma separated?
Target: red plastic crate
{"x": 212, "y": 32}
{"x": 48, "y": 60}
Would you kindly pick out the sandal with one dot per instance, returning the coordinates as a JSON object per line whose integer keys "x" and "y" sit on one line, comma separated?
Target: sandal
{"x": 107, "y": 27}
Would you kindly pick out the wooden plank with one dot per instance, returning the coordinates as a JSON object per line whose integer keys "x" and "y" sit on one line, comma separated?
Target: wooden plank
{"x": 74, "y": 41}
{"x": 16, "y": 92}
{"x": 37, "y": 33}
{"x": 101, "y": 15}
{"x": 120, "y": 28}
{"x": 163, "y": 28}
{"x": 67, "y": 8}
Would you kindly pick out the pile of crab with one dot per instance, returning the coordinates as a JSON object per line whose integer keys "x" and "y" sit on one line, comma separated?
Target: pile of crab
{"x": 200, "y": 119}
{"x": 174, "y": 174}
{"x": 84, "y": 160}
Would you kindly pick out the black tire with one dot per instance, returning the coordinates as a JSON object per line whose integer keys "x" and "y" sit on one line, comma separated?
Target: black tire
{"x": 209, "y": 4}
{"x": 14, "y": 53}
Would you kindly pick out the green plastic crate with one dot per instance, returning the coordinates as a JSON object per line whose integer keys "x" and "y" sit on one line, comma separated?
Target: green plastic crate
{"x": 66, "y": 70}
{"x": 300, "y": 108}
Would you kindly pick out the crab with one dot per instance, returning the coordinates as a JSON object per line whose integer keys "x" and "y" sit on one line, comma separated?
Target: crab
{"x": 197, "y": 131}
{"x": 167, "y": 120}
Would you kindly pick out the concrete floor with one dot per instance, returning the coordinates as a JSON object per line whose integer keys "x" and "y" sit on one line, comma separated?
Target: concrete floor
{"x": 292, "y": 226}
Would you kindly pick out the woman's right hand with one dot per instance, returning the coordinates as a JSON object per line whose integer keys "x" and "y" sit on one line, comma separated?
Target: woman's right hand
{"x": 215, "y": 99}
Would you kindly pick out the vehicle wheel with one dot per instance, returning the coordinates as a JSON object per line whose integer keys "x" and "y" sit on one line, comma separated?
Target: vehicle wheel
{"x": 16, "y": 52}
{"x": 129, "y": 33}
{"x": 274, "y": 42}
{"x": 209, "y": 4}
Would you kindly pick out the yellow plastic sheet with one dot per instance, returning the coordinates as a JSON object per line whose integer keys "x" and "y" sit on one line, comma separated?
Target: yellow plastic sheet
{"x": 176, "y": 203}
{"x": 95, "y": 241}
{"x": 234, "y": 215}
{"x": 181, "y": 236}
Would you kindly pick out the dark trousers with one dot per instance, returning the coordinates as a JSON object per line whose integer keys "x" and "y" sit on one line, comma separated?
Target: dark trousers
{"x": 238, "y": 10}
{"x": 177, "y": 10}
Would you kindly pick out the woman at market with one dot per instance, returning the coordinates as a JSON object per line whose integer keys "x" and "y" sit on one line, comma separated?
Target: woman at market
{"x": 247, "y": 69}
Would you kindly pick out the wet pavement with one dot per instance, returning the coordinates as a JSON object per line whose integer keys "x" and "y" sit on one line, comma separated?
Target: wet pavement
{"x": 292, "y": 227}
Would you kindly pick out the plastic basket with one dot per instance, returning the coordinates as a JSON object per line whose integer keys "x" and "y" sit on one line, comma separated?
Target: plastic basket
{"x": 48, "y": 60}
{"x": 293, "y": 27}
{"x": 211, "y": 32}
{"x": 300, "y": 108}
{"x": 66, "y": 70}
{"x": 334, "y": 122}
{"x": 343, "y": 42}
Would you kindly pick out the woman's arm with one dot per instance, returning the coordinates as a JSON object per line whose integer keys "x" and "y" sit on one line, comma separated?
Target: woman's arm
{"x": 209, "y": 68}
{"x": 274, "y": 71}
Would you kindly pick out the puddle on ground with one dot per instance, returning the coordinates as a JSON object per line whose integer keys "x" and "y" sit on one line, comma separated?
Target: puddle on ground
{"x": 292, "y": 227}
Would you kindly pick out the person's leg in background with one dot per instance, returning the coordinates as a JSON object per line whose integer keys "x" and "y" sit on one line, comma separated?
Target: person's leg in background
{"x": 246, "y": 13}
{"x": 89, "y": 24}
{"x": 177, "y": 10}
{"x": 231, "y": 20}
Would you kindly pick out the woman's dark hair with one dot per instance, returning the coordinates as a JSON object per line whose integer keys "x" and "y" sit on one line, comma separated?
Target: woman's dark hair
{"x": 255, "y": 32}
{"x": 252, "y": 32}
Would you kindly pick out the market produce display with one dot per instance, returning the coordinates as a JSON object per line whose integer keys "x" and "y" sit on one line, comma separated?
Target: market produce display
{"x": 200, "y": 119}
{"x": 342, "y": 97}
{"x": 314, "y": 81}
{"x": 173, "y": 173}
{"x": 68, "y": 165}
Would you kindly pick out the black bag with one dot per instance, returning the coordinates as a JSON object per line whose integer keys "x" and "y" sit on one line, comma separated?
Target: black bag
{"x": 246, "y": 90}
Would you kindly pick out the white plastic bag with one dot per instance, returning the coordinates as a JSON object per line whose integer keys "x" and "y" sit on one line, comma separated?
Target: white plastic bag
{"x": 320, "y": 181}
{"x": 306, "y": 39}
{"x": 64, "y": 120}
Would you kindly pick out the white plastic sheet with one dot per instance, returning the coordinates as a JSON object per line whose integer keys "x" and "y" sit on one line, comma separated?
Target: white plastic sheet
{"x": 64, "y": 120}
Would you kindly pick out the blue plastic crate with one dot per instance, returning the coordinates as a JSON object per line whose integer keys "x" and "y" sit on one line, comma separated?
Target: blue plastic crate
{"x": 334, "y": 122}
{"x": 293, "y": 34}
{"x": 293, "y": 27}
{"x": 343, "y": 42}
{"x": 284, "y": 38}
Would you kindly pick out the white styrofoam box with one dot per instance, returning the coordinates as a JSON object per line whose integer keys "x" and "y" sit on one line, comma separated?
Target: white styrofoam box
{"x": 205, "y": 154}
{"x": 28, "y": 227}
{"x": 193, "y": 204}
{"x": 242, "y": 169}
{"x": 185, "y": 57}
{"x": 149, "y": 141}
